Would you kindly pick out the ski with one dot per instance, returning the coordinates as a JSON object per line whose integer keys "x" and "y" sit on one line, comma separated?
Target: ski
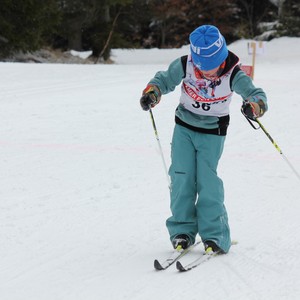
{"x": 173, "y": 258}
{"x": 200, "y": 260}
{"x": 205, "y": 256}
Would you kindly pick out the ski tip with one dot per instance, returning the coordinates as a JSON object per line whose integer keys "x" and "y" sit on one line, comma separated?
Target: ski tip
{"x": 180, "y": 267}
{"x": 157, "y": 265}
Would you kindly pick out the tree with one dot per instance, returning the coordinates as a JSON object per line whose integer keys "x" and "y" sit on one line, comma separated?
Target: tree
{"x": 290, "y": 18}
{"x": 134, "y": 25}
{"x": 279, "y": 5}
{"x": 252, "y": 13}
{"x": 90, "y": 24}
{"x": 25, "y": 25}
{"x": 77, "y": 16}
{"x": 173, "y": 20}
{"x": 99, "y": 25}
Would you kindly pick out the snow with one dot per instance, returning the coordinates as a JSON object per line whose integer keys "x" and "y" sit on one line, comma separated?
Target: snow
{"x": 84, "y": 196}
{"x": 84, "y": 54}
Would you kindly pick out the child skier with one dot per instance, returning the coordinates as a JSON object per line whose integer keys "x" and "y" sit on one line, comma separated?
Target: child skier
{"x": 208, "y": 75}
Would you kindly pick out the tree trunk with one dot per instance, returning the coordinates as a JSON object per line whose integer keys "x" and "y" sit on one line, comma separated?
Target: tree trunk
{"x": 75, "y": 41}
{"x": 75, "y": 35}
{"x": 106, "y": 46}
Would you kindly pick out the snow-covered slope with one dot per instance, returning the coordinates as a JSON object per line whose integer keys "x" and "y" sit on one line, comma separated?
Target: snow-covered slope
{"x": 84, "y": 198}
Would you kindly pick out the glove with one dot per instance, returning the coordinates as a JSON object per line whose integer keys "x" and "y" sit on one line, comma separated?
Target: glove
{"x": 151, "y": 97}
{"x": 253, "y": 110}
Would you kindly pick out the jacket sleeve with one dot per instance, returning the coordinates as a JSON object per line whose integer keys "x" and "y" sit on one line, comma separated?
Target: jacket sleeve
{"x": 167, "y": 80}
{"x": 243, "y": 85}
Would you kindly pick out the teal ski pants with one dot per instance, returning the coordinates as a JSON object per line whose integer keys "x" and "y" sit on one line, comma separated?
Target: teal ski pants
{"x": 197, "y": 194}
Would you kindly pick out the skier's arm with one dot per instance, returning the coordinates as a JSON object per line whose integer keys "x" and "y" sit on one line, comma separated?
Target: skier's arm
{"x": 163, "y": 83}
{"x": 167, "y": 80}
{"x": 243, "y": 85}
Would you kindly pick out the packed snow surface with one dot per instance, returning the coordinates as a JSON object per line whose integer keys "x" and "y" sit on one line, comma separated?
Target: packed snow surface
{"x": 84, "y": 195}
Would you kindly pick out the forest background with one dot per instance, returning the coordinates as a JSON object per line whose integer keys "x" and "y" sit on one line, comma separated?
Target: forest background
{"x": 100, "y": 25}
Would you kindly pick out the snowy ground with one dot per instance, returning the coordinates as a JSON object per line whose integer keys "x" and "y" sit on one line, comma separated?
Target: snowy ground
{"x": 84, "y": 198}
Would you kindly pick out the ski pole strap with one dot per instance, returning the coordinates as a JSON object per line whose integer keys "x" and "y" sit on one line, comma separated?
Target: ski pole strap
{"x": 251, "y": 121}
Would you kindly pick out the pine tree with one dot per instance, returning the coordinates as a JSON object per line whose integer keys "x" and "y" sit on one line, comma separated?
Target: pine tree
{"x": 25, "y": 25}
{"x": 290, "y": 18}
{"x": 251, "y": 14}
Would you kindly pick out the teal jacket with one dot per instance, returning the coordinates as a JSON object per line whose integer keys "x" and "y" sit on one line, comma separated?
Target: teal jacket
{"x": 239, "y": 82}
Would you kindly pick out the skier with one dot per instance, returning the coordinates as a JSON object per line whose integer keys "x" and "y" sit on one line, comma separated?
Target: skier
{"x": 208, "y": 75}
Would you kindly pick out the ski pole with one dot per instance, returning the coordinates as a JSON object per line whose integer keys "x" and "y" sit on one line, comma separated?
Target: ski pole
{"x": 160, "y": 148}
{"x": 273, "y": 142}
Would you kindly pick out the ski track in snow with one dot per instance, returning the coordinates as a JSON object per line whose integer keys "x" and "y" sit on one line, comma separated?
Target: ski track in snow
{"x": 84, "y": 196}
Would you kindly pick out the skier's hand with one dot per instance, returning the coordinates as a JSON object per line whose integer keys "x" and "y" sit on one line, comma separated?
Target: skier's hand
{"x": 151, "y": 97}
{"x": 252, "y": 110}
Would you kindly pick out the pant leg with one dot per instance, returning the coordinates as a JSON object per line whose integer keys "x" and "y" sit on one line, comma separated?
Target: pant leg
{"x": 211, "y": 212}
{"x": 183, "y": 184}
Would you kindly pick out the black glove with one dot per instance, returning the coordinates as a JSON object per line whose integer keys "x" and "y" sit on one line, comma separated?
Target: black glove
{"x": 248, "y": 110}
{"x": 151, "y": 97}
{"x": 253, "y": 110}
